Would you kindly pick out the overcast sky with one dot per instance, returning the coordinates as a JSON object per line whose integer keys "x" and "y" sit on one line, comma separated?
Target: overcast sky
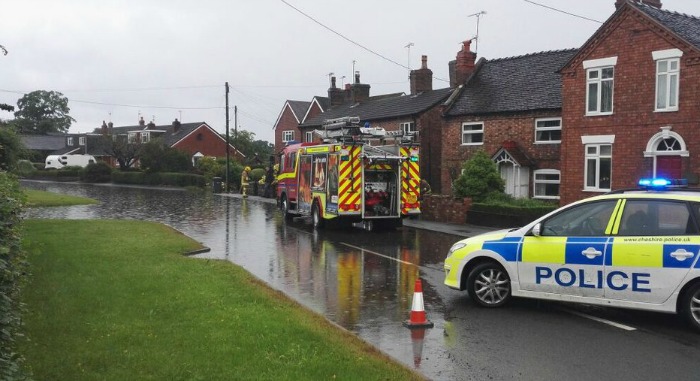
{"x": 116, "y": 60}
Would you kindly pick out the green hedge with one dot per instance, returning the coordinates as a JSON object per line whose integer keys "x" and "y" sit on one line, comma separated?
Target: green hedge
{"x": 530, "y": 212}
{"x": 165, "y": 179}
{"x": 12, "y": 274}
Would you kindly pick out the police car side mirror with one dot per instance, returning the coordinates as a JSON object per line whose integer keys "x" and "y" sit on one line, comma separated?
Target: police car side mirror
{"x": 537, "y": 230}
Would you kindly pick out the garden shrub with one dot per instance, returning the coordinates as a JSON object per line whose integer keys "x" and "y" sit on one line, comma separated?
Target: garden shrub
{"x": 12, "y": 275}
{"x": 25, "y": 168}
{"x": 479, "y": 178}
{"x": 99, "y": 172}
{"x": 256, "y": 174}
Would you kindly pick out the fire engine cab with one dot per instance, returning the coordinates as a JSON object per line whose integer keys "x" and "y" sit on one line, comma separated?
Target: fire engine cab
{"x": 345, "y": 179}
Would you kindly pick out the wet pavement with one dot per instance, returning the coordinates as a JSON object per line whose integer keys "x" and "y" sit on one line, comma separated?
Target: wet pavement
{"x": 363, "y": 281}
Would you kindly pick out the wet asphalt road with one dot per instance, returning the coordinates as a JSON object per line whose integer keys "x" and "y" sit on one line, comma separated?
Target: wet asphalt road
{"x": 365, "y": 282}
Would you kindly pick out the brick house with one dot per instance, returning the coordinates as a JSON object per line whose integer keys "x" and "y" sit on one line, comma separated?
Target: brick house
{"x": 287, "y": 125}
{"x": 630, "y": 102}
{"x": 417, "y": 113}
{"x": 195, "y": 139}
{"x": 511, "y": 109}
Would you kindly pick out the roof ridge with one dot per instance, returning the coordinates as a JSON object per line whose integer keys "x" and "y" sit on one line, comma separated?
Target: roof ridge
{"x": 533, "y": 54}
{"x": 667, "y": 11}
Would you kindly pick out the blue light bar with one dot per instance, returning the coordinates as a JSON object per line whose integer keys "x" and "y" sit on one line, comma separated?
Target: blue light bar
{"x": 661, "y": 183}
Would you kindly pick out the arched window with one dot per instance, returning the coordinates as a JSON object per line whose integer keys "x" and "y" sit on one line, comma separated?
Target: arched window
{"x": 667, "y": 148}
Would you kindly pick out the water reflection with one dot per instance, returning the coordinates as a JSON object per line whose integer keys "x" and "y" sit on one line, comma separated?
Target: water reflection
{"x": 362, "y": 281}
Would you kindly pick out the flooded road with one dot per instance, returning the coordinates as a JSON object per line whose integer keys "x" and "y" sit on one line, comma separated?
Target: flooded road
{"x": 365, "y": 281}
{"x": 360, "y": 280}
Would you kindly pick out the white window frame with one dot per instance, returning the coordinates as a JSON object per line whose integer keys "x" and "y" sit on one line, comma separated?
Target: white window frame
{"x": 471, "y": 133}
{"x": 596, "y": 157}
{"x": 542, "y": 129}
{"x": 81, "y": 140}
{"x": 597, "y": 66}
{"x": 309, "y": 136}
{"x": 145, "y": 137}
{"x": 287, "y": 136}
{"x": 536, "y": 182}
{"x": 69, "y": 141}
{"x": 408, "y": 128}
{"x": 671, "y": 87}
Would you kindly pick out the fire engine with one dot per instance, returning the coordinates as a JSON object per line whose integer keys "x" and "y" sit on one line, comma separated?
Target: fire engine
{"x": 344, "y": 179}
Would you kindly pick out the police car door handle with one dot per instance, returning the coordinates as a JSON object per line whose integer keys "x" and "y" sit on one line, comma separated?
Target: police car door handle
{"x": 591, "y": 253}
{"x": 682, "y": 254}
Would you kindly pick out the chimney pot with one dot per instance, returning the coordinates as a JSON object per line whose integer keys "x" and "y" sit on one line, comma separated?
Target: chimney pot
{"x": 142, "y": 122}
{"x": 424, "y": 62}
{"x": 421, "y": 80}
{"x": 357, "y": 77}
{"x": 333, "y": 83}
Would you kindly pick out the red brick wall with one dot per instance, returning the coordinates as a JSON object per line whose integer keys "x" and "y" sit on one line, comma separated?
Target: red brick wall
{"x": 207, "y": 142}
{"x": 497, "y": 129}
{"x": 633, "y": 121}
{"x": 445, "y": 209}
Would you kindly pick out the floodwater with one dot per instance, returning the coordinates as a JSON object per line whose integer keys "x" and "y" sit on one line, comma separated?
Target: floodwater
{"x": 363, "y": 281}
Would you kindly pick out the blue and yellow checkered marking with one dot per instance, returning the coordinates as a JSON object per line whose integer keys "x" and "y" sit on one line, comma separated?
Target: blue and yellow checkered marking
{"x": 507, "y": 248}
{"x": 576, "y": 245}
{"x": 568, "y": 251}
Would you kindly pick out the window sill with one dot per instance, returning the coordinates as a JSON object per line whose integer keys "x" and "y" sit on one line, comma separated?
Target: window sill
{"x": 598, "y": 114}
{"x": 472, "y": 144}
{"x": 546, "y": 197}
{"x": 667, "y": 110}
{"x": 548, "y": 142}
{"x": 595, "y": 190}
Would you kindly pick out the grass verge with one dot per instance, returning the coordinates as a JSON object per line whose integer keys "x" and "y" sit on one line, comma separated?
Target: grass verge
{"x": 116, "y": 300}
{"x": 43, "y": 198}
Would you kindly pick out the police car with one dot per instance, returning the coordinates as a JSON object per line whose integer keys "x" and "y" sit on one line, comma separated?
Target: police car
{"x": 630, "y": 248}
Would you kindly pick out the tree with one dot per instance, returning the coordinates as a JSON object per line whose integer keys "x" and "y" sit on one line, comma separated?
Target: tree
{"x": 11, "y": 147}
{"x": 479, "y": 178}
{"x": 157, "y": 157}
{"x": 41, "y": 112}
{"x": 126, "y": 153}
{"x": 255, "y": 151}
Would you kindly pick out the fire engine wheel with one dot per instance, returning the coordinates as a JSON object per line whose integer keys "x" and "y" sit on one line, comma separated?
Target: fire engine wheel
{"x": 284, "y": 205}
{"x": 316, "y": 216}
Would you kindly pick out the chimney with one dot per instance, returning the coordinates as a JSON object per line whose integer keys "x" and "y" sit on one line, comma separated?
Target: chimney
{"x": 142, "y": 122}
{"x": 463, "y": 66}
{"x": 176, "y": 125}
{"x": 421, "y": 79}
{"x": 651, "y": 3}
{"x": 104, "y": 128}
{"x": 151, "y": 125}
{"x": 335, "y": 95}
{"x": 359, "y": 92}
{"x": 110, "y": 126}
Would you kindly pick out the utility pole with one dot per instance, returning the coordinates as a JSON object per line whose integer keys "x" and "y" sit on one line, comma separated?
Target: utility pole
{"x": 227, "y": 141}
{"x": 235, "y": 122}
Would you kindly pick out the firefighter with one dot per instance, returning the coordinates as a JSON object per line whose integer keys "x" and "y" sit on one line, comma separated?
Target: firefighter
{"x": 424, "y": 188}
{"x": 244, "y": 181}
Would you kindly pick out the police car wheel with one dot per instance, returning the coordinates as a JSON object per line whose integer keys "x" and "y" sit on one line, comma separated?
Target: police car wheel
{"x": 691, "y": 306}
{"x": 488, "y": 285}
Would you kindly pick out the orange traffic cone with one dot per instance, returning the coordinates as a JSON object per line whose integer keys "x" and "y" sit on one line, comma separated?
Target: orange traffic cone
{"x": 418, "y": 319}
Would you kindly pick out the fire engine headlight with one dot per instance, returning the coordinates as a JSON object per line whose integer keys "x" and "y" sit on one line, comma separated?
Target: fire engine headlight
{"x": 455, "y": 247}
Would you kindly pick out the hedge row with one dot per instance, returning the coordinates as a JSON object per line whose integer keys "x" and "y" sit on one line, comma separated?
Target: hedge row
{"x": 12, "y": 269}
{"x": 164, "y": 178}
{"x": 529, "y": 212}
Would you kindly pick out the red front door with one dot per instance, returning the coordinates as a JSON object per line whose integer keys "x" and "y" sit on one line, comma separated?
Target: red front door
{"x": 668, "y": 167}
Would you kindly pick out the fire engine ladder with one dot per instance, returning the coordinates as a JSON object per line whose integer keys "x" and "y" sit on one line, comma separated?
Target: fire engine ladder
{"x": 372, "y": 152}
{"x": 348, "y": 129}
